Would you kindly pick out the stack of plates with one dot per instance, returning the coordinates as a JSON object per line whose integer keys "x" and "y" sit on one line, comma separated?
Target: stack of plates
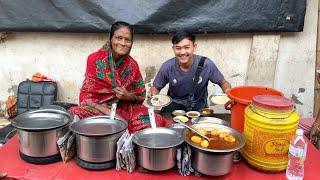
{"x": 306, "y": 125}
{"x": 3, "y": 122}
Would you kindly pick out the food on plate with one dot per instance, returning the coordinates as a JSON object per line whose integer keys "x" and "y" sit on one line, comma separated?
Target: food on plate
{"x": 182, "y": 118}
{"x": 214, "y": 132}
{"x": 229, "y": 138}
{"x": 219, "y": 99}
{"x": 219, "y": 139}
{"x": 196, "y": 139}
{"x": 202, "y": 131}
{"x": 179, "y": 113}
{"x": 204, "y": 143}
{"x": 193, "y": 114}
{"x": 222, "y": 135}
{"x": 160, "y": 100}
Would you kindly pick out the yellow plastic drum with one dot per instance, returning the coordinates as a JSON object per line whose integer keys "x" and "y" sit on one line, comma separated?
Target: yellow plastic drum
{"x": 270, "y": 123}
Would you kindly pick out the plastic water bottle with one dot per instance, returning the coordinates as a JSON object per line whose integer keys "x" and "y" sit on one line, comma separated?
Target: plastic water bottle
{"x": 296, "y": 156}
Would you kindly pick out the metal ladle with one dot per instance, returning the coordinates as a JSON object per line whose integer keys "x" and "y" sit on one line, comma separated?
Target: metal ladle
{"x": 191, "y": 128}
{"x": 113, "y": 111}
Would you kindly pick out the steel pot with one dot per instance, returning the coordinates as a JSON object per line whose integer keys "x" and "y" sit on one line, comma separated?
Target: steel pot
{"x": 39, "y": 131}
{"x": 212, "y": 162}
{"x": 40, "y": 143}
{"x": 156, "y": 148}
{"x": 97, "y": 138}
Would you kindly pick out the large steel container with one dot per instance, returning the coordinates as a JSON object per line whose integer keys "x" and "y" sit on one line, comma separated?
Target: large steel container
{"x": 97, "y": 138}
{"x": 156, "y": 148}
{"x": 39, "y": 131}
{"x": 212, "y": 162}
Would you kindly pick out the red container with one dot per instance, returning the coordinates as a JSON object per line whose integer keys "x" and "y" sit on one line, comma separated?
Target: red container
{"x": 240, "y": 97}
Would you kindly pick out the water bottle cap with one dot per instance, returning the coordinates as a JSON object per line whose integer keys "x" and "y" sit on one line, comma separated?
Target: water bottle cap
{"x": 299, "y": 132}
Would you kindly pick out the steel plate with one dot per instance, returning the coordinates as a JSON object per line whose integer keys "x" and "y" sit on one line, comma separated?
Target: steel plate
{"x": 158, "y": 138}
{"x": 213, "y": 120}
{"x": 98, "y": 126}
{"x": 169, "y": 100}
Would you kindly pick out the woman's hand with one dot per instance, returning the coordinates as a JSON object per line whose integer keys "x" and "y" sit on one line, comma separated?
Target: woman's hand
{"x": 103, "y": 109}
{"x": 123, "y": 94}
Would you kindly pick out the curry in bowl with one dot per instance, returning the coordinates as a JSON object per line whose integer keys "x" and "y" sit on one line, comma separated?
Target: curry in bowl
{"x": 193, "y": 114}
{"x": 219, "y": 139}
{"x": 178, "y": 112}
{"x": 206, "y": 112}
{"x": 214, "y": 157}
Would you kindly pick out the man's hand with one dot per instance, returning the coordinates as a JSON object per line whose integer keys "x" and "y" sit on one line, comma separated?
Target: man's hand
{"x": 153, "y": 91}
{"x": 225, "y": 85}
{"x": 123, "y": 94}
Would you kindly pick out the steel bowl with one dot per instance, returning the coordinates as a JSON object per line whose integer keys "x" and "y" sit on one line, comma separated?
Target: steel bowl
{"x": 212, "y": 162}
{"x": 97, "y": 137}
{"x": 206, "y": 112}
{"x": 156, "y": 148}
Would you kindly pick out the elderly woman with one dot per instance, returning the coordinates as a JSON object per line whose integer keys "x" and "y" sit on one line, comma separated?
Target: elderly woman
{"x": 113, "y": 76}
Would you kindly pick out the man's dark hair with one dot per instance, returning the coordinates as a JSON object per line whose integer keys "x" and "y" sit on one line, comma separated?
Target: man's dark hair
{"x": 117, "y": 25}
{"x": 180, "y": 35}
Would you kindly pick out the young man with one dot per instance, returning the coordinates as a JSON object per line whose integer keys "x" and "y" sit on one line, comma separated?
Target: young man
{"x": 188, "y": 91}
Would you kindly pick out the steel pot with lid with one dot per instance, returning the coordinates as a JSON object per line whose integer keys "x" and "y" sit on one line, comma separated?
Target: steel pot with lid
{"x": 39, "y": 131}
{"x": 97, "y": 138}
{"x": 156, "y": 148}
{"x": 213, "y": 162}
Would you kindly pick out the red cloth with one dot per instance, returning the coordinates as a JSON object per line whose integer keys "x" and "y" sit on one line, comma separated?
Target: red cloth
{"x": 102, "y": 76}
{"x": 15, "y": 167}
{"x": 38, "y": 77}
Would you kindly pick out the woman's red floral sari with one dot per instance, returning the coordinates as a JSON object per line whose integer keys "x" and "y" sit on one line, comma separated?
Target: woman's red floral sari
{"x": 102, "y": 76}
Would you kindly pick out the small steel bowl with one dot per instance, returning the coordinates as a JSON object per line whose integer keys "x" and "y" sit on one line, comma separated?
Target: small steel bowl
{"x": 193, "y": 114}
{"x": 183, "y": 119}
{"x": 179, "y": 113}
{"x": 206, "y": 112}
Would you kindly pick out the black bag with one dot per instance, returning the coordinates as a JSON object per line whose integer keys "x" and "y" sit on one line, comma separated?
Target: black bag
{"x": 33, "y": 95}
{"x": 191, "y": 102}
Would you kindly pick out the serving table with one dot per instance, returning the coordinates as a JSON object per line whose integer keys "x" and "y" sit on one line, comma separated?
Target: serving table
{"x": 11, "y": 164}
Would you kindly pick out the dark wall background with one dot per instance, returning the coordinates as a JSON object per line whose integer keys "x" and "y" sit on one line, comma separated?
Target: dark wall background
{"x": 153, "y": 16}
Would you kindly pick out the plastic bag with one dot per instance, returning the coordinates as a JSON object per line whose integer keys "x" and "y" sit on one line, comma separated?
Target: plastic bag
{"x": 129, "y": 154}
{"x": 119, "y": 160}
{"x": 125, "y": 156}
{"x": 67, "y": 145}
{"x": 184, "y": 160}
